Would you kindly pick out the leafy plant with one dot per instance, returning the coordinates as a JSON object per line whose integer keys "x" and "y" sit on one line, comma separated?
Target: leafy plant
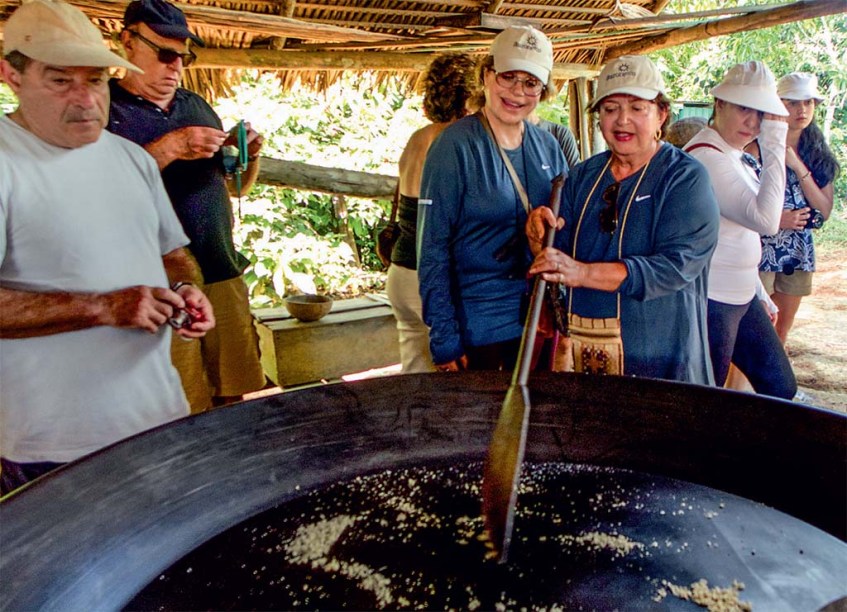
{"x": 293, "y": 245}
{"x": 308, "y": 242}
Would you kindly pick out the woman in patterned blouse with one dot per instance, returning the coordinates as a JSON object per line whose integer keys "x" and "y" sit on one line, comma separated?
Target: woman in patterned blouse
{"x": 788, "y": 257}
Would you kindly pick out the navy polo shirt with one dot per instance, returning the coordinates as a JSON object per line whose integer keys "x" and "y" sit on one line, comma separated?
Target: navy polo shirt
{"x": 197, "y": 188}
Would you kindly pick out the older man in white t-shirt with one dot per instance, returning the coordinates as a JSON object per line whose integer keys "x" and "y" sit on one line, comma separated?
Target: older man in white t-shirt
{"x": 92, "y": 257}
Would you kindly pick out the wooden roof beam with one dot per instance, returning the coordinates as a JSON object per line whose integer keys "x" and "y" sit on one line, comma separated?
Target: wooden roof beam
{"x": 286, "y": 9}
{"x": 497, "y": 23}
{"x": 269, "y": 59}
{"x": 494, "y": 7}
{"x": 580, "y": 10}
{"x": 676, "y": 20}
{"x": 805, "y": 9}
{"x": 302, "y": 6}
{"x": 241, "y": 21}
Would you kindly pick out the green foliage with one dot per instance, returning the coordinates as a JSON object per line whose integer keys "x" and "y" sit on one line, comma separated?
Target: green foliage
{"x": 834, "y": 231}
{"x": 299, "y": 241}
{"x": 293, "y": 242}
{"x": 557, "y": 110}
{"x": 8, "y": 101}
{"x": 355, "y": 125}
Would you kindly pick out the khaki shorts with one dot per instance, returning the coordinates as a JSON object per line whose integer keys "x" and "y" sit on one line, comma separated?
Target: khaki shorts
{"x": 799, "y": 283}
{"x": 225, "y": 362}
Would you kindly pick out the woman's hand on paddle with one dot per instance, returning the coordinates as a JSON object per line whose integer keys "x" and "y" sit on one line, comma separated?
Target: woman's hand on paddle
{"x": 536, "y": 226}
{"x": 556, "y": 267}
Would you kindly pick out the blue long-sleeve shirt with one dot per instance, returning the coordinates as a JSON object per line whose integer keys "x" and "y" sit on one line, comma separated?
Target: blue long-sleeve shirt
{"x": 472, "y": 257}
{"x": 670, "y": 233}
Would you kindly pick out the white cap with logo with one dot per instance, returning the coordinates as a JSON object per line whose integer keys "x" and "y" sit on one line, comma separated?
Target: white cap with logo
{"x": 799, "y": 86}
{"x": 635, "y": 75}
{"x": 56, "y": 33}
{"x": 753, "y": 85}
{"x": 523, "y": 48}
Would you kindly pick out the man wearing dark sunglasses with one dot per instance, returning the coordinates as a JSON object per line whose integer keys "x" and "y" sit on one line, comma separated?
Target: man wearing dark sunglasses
{"x": 185, "y": 137}
{"x": 165, "y": 55}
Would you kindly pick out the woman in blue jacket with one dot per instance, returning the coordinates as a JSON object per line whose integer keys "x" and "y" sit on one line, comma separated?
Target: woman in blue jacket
{"x": 472, "y": 255}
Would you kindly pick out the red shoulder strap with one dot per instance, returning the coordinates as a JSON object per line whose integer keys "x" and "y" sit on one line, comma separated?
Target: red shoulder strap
{"x": 699, "y": 145}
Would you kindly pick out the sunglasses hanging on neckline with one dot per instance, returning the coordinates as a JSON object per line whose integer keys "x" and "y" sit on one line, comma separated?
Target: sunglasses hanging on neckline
{"x": 609, "y": 214}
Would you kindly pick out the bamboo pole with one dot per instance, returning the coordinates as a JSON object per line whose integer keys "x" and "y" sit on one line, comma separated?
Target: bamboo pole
{"x": 243, "y": 21}
{"x": 336, "y": 181}
{"x": 805, "y": 9}
{"x": 271, "y": 59}
{"x": 582, "y": 114}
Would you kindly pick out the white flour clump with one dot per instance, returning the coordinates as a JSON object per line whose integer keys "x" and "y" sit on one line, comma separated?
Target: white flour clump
{"x": 714, "y": 599}
{"x": 617, "y": 543}
{"x": 312, "y": 545}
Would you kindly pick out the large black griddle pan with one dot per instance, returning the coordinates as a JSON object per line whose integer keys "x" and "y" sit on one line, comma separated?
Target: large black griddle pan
{"x": 93, "y": 534}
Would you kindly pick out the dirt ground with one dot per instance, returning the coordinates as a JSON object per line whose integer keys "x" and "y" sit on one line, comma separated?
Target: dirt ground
{"x": 817, "y": 344}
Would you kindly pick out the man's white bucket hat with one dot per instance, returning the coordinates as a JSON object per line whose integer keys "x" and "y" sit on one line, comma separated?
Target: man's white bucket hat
{"x": 799, "y": 86}
{"x": 753, "y": 85}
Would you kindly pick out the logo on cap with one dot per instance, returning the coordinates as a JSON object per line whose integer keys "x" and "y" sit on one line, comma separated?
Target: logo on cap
{"x": 623, "y": 71}
{"x": 531, "y": 44}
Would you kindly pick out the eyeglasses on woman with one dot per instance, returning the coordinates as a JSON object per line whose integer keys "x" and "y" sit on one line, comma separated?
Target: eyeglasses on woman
{"x": 531, "y": 85}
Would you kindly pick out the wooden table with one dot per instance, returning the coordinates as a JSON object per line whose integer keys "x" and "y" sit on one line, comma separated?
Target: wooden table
{"x": 358, "y": 334}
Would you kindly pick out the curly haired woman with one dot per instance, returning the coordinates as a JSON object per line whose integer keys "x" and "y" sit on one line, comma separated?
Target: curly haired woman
{"x": 447, "y": 88}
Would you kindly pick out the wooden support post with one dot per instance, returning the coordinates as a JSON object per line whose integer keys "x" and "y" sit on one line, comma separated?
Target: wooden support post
{"x": 582, "y": 113}
{"x": 573, "y": 114}
{"x": 286, "y": 9}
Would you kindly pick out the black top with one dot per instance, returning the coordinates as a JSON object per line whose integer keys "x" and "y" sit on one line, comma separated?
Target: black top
{"x": 197, "y": 188}
{"x": 404, "y": 253}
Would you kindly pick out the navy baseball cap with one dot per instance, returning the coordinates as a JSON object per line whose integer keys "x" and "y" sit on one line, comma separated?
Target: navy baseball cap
{"x": 162, "y": 17}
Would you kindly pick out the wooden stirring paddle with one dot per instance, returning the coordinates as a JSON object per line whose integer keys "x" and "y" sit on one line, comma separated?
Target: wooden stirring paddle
{"x": 505, "y": 453}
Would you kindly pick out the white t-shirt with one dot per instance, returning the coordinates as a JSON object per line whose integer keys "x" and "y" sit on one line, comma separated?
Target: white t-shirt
{"x": 92, "y": 219}
{"x": 749, "y": 207}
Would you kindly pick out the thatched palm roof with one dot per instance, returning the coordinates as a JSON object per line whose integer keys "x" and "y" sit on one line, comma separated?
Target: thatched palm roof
{"x": 312, "y": 41}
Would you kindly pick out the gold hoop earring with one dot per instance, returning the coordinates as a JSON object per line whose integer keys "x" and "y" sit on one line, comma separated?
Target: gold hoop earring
{"x": 658, "y": 134}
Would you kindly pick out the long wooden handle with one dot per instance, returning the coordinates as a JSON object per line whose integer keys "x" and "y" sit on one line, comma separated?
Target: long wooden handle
{"x": 521, "y": 373}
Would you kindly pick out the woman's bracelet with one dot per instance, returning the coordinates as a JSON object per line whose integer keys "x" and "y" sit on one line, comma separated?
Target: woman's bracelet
{"x": 178, "y": 284}
{"x": 805, "y": 176}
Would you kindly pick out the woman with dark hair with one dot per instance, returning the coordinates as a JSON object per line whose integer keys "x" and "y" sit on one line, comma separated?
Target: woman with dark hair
{"x": 640, "y": 225}
{"x": 447, "y": 88}
{"x": 788, "y": 257}
{"x": 740, "y": 330}
{"x": 482, "y": 175}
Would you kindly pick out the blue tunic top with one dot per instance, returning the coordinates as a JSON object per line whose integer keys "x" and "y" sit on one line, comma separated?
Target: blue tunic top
{"x": 197, "y": 188}
{"x": 670, "y": 232}
{"x": 472, "y": 257}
